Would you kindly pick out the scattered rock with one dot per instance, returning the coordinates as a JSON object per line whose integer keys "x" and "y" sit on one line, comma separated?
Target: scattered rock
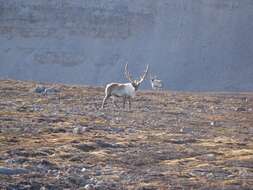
{"x": 47, "y": 151}
{"x": 25, "y": 108}
{"x": 50, "y": 119}
{"x": 19, "y": 160}
{"x": 12, "y": 171}
{"x": 51, "y": 91}
{"x": 37, "y": 107}
{"x": 45, "y": 91}
{"x": 86, "y": 147}
{"x": 245, "y": 173}
{"x": 215, "y": 173}
{"x": 103, "y": 185}
{"x": 186, "y": 130}
{"x": 23, "y": 185}
{"x": 45, "y": 164}
{"x": 208, "y": 157}
{"x": 77, "y": 158}
{"x": 79, "y": 130}
{"x": 103, "y": 144}
{"x": 13, "y": 140}
{"x": 7, "y": 118}
{"x": 78, "y": 180}
{"x": 58, "y": 130}
{"x": 215, "y": 123}
{"x": 89, "y": 187}
{"x": 40, "y": 89}
{"x": 107, "y": 129}
{"x": 27, "y": 153}
{"x": 182, "y": 141}
{"x": 147, "y": 188}
{"x": 241, "y": 109}
{"x": 75, "y": 141}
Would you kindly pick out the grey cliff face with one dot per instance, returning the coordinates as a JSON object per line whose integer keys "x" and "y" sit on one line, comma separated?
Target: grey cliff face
{"x": 190, "y": 44}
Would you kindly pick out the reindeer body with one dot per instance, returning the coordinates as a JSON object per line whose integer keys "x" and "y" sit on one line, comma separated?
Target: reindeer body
{"x": 125, "y": 90}
{"x": 120, "y": 90}
{"x": 156, "y": 84}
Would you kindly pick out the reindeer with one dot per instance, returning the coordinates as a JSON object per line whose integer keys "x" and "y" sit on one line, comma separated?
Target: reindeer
{"x": 125, "y": 90}
{"x": 155, "y": 83}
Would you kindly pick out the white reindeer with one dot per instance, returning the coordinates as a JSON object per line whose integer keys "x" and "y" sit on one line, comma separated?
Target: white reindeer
{"x": 125, "y": 90}
{"x": 156, "y": 84}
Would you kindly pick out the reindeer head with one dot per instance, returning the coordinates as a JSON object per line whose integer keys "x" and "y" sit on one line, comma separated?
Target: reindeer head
{"x": 135, "y": 83}
{"x": 152, "y": 78}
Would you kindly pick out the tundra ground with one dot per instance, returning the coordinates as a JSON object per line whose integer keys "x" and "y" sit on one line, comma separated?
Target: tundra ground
{"x": 168, "y": 140}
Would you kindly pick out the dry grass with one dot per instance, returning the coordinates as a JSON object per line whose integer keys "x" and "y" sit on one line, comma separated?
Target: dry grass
{"x": 169, "y": 140}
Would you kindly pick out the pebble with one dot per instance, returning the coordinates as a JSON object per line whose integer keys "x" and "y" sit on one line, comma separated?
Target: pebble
{"x": 89, "y": 187}
{"x": 79, "y": 130}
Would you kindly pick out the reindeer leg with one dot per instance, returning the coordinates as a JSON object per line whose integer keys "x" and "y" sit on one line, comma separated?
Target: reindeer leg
{"x": 113, "y": 99}
{"x": 124, "y": 102}
{"x": 129, "y": 102}
{"x": 104, "y": 100}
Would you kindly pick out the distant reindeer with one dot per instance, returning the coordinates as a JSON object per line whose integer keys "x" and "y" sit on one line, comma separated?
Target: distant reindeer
{"x": 125, "y": 90}
{"x": 156, "y": 84}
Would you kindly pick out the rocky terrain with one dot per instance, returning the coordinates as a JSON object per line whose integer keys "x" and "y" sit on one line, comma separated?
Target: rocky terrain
{"x": 54, "y": 136}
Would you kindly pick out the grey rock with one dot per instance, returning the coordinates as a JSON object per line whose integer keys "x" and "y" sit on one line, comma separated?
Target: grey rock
{"x": 85, "y": 147}
{"x": 79, "y": 130}
{"x": 182, "y": 141}
{"x": 12, "y": 171}
{"x": 241, "y": 109}
{"x": 40, "y": 89}
{"x": 103, "y": 144}
{"x": 89, "y": 187}
{"x": 77, "y": 158}
{"x": 46, "y": 91}
{"x": 19, "y": 160}
{"x": 27, "y": 153}
{"x": 77, "y": 180}
{"x": 58, "y": 130}
{"x": 51, "y": 91}
{"x": 45, "y": 164}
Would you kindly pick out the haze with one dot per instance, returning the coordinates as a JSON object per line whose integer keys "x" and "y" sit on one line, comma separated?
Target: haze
{"x": 192, "y": 45}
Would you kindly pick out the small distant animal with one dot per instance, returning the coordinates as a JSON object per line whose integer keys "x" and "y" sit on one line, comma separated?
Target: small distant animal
{"x": 125, "y": 90}
{"x": 156, "y": 84}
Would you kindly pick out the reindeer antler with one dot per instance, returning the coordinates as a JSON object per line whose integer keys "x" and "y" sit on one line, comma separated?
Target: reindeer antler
{"x": 144, "y": 75}
{"x": 127, "y": 74}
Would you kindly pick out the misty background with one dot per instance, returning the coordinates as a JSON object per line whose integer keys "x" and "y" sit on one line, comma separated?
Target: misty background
{"x": 202, "y": 45}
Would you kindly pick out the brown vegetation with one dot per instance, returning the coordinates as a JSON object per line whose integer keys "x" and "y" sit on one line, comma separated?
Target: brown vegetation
{"x": 169, "y": 140}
